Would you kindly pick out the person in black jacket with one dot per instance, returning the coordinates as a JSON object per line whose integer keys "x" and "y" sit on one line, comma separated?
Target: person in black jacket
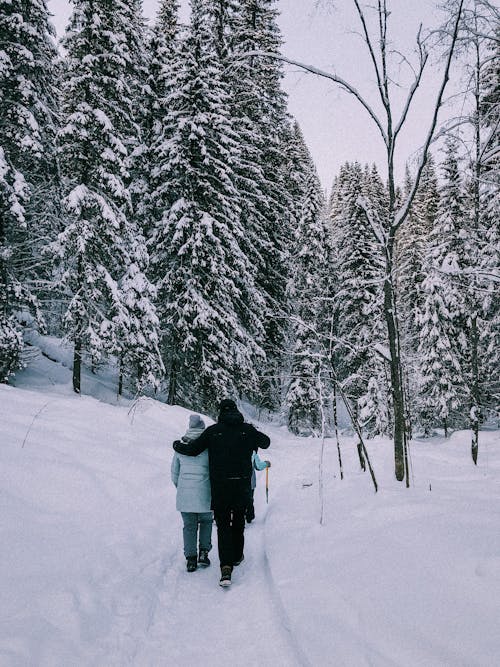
{"x": 230, "y": 443}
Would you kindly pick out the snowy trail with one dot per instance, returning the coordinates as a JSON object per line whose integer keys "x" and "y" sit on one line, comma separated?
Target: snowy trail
{"x": 96, "y": 570}
{"x": 186, "y": 618}
{"x": 93, "y": 573}
{"x": 239, "y": 626}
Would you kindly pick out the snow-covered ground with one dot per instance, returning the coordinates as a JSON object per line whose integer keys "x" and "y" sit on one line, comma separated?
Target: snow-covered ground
{"x": 92, "y": 571}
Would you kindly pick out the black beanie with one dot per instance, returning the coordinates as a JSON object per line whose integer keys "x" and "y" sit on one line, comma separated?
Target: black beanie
{"x": 227, "y": 405}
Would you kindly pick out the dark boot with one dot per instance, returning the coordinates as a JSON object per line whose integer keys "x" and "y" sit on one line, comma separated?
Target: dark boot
{"x": 225, "y": 578}
{"x": 203, "y": 558}
{"x": 191, "y": 563}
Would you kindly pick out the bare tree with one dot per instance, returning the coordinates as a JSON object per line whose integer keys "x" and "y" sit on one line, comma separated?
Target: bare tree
{"x": 389, "y": 126}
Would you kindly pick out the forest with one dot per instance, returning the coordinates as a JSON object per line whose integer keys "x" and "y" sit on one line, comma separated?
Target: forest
{"x": 161, "y": 212}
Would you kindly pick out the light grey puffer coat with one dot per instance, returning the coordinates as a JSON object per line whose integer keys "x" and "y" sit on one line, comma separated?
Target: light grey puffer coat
{"x": 191, "y": 477}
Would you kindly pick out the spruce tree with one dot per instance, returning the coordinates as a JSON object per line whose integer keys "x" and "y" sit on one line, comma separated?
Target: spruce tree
{"x": 101, "y": 250}
{"x": 146, "y": 76}
{"x": 359, "y": 330}
{"x": 375, "y": 402}
{"x": 489, "y": 237}
{"x": 266, "y": 137}
{"x": 440, "y": 369}
{"x": 412, "y": 244}
{"x": 306, "y": 393}
{"x": 206, "y": 284}
{"x": 481, "y": 236}
{"x": 28, "y": 169}
{"x": 160, "y": 118}
{"x": 442, "y": 336}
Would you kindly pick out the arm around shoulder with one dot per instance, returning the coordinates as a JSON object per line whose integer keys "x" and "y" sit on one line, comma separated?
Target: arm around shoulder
{"x": 192, "y": 448}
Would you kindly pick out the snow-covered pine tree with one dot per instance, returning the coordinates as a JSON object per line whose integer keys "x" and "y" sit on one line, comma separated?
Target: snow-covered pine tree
{"x": 259, "y": 104}
{"x": 159, "y": 119}
{"x": 412, "y": 242}
{"x": 163, "y": 109}
{"x": 336, "y": 215}
{"x": 102, "y": 253}
{"x": 374, "y": 404}
{"x": 206, "y": 287}
{"x": 479, "y": 271}
{"x": 28, "y": 169}
{"x": 135, "y": 36}
{"x": 440, "y": 369}
{"x": 139, "y": 344}
{"x": 306, "y": 393}
{"x": 440, "y": 322}
{"x": 359, "y": 333}
{"x": 140, "y": 357}
{"x": 484, "y": 264}
{"x": 489, "y": 202}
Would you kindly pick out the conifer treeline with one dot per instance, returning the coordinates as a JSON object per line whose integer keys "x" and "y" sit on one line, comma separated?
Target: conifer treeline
{"x": 160, "y": 209}
{"x": 441, "y": 270}
{"x": 171, "y": 164}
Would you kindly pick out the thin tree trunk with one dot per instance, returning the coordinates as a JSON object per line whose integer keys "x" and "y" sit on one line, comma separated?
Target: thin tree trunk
{"x": 77, "y": 365}
{"x": 409, "y": 426}
{"x": 474, "y": 336}
{"x": 4, "y": 301}
{"x": 406, "y": 449}
{"x": 475, "y": 408}
{"x": 362, "y": 461}
{"x": 120, "y": 377}
{"x": 77, "y": 353}
{"x": 397, "y": 390}
{"x": 322, "y": 452}
{"x": 172, "y": 384}
{"x": 388, "y": 399}
{"x": 336, "y": 425}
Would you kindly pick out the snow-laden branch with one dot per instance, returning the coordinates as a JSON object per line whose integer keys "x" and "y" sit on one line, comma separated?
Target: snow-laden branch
{"x": 404, "y": 210}
{"x": 327, "y": 75}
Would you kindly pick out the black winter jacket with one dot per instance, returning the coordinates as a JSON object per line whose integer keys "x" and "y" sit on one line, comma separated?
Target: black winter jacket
{"x": 230, "y": 443}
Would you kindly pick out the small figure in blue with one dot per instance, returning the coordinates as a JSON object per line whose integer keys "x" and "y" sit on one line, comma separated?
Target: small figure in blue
{"x": 257, "y": 464}
{"x": 190, "y": 475}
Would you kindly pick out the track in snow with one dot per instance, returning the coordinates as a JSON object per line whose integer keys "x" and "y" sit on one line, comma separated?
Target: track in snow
{"x": 188, "y": 619}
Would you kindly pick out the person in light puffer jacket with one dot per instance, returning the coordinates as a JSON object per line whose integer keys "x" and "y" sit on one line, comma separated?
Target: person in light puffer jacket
{"x": 191, "y": 477}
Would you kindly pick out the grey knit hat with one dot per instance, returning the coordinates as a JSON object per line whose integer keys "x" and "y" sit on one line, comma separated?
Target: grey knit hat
{"x": 195, "y": 421}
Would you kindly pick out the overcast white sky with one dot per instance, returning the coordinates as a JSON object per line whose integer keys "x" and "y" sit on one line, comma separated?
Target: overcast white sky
{"x": 322, "y": 33}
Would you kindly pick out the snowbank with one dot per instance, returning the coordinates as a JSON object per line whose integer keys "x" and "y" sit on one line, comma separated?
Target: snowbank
{"x": 92, "y": 565}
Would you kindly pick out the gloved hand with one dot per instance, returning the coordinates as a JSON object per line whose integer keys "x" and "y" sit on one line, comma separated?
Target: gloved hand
{"x": 176, "y": 443}
{"x": 268, "y": 464}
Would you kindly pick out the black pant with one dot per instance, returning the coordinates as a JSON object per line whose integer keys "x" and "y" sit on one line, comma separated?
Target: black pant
{"x": 250, "y": 513}
{"x": 230, "y": 534}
